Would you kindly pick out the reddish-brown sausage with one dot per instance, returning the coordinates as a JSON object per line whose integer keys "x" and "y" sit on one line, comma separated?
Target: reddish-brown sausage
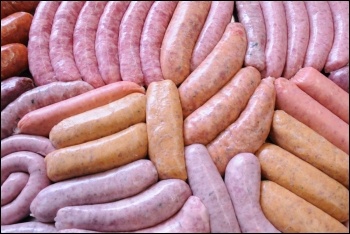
{"x": 10, "y": 7}
{"x": 14, "y": 60}
{"x": 15, "y": 28}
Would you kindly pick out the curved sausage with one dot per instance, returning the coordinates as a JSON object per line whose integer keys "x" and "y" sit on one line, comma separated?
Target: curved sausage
{"x": 251, "y": 16}
{"x": 218, "y": 18}
{"x": 153, "y": 32}
{"x": 61, "y": 41}
{"x": 341, "y": 77}
{"x": 15, "y": 28}
{"x": 10, "y": 7}
{"x": 39, "y": 43}
{"x": 185, "y": 26}
{"x": 13, "y": 186}
{"x": 146, "y": 209}
{"x": 106, "y": 44}
{"x": 29, "y": 227}
{"x": 33, "y": 164}
{"x": 14, "y": 60}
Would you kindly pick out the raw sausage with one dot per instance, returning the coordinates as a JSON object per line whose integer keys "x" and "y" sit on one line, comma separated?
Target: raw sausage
{"x": 341, "y": 77}
{"x": 29, "y": 227}
{"x": 14, "y": 60}
{"x": 13, "y": 186}
{"x": 10, "y": 7}
{"x": 15, "y": 28}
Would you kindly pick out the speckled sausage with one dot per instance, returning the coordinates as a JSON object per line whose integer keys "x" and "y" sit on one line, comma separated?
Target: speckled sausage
{"x": 129, "y": 41}
{"x": 218, "y": 18}
{"x": 298, "y": 27}
{"x": 153, "y": 31}
{"x": 84, "y": 42}
{"x": 185, "y": 26}
{"x": 216, "y": 70}
{"x": 39, "y": 43}
{"x": 61, "y": 41}
{"x": 206, "y": 183}
{"x": 106, "y": 44}
{"x": 250, "y": 130}
{"x": 251, "y": 16}
{"x": 338, "y": 57}
{"x": 341, "y": 77}
{"x": 321, "y": 34}
{"x": 14, "y": 60}
{"x": 276, "y": 38}
{"x": 13, "y": 186}
{"x": 29, "y": 227}
{"x": 36, "y": 98}
{"x": 22, "y": 142}
{"x": 242, "y": 179}
{"x": 27, "y": 162}
{"x": 113, "y": 185}
{"x": 222, "y": 109}
{"x": 146, "y": 209}
{"x": 13, "y": 87}
{"x": 15, "y": 28}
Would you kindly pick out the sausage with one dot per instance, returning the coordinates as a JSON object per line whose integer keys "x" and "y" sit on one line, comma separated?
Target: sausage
{"x": 249, "y": 131}
{"x": 185, "y": 25}
{"x": 251, "y": 16}
{"x": 39, "y": 43}
{"x": 61, "y": 41}
{"x": 84, "y": 36}
{"x": 14, "y": 60}
{"x": 338, "y": 56}
{"x": 341, "y": 77}
{"x": 165, "y": 130}
{"x": 29, "y": 227}
{"x": 41, "y": 121}
{"x": 33, "y": 164}
{"x": 13, "y": 186}
{"x": 148, "y": 208}
{"x": 218, "y": 18}
{"x": 216, "y": 70}
{"x": 13, "y": 87}
{"x": 22, "y": 142}
{"x": 324, "y": 91}
{"x": 36, "y": 98}
{"x": 242, "y": 179}
{"x": 99, "y": 155}
{"x": 100, "y": 122}
{"x": 113, "y": 185}
{"x": 289, "y": 171}
{"x": 222, "y": 109}
{"x": 10, "y": 7}
{"x": 15, "y": 28}
{"x": 279, "y": 206}
{"x": 153, "y": 31}
{"x": 129, "y": 41}
{"x": 300, "y": 140}
{"x": 106, "y": 44}
{"x": 276, "y": 38}
{"x": 298, "y": 28}
{"x": 321, "y": 24}
{"x": 206, "y": 183}
{"x": 295, "y": 102}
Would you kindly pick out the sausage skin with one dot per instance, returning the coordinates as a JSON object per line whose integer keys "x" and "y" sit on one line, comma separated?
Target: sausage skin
{"x": 341, "y": 77}
{"x": 15, "y": 28}
{"x": 13, "y": 186}
{"x": 14, "y": 60}
{"x": 10, "y": 7}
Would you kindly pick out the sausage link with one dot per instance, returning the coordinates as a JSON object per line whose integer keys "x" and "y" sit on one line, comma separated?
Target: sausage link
{"x": 29, "y": 227}
{"x": 13, "y": 186}
{"x": 15, "y": 28}
{"x": 14, "y": 60}
{"x": 341, "y": 77}
{"x": 10, "y": 7}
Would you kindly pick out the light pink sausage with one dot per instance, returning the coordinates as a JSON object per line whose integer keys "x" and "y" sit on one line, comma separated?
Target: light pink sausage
{"x": 207, "y": 184}
{"x": 29, "y": 227}
{"x": 276, "y": 36}
{"x": 61, "y": 41}
{"x": 129, "y": 41}
{"x": 22, "y": 142}
{"x": 341, "y": 77}
{"x": 33, "y": 164}
{"x": 242, "y": 179}
{"x": 38, "y": 45}
{"x": 338, "y": 57}
{"x": 219, "y": 16}
{"x": 153, "y": 32}
{"x": 298, "y": 27}
{"x": 84, "y": 42}
{"x": 321, "y": 34}
{"x": 13, "y": 186}
{"x": 106, "y": 44}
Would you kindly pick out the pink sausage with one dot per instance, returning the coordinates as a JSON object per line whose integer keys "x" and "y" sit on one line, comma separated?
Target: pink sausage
{"x": 29, "y": 227}
{"x": 13, "y": 186}
{"x": 22, "y": 142}
{"x": 27, "y": 162}
{"x": 106, "y": 44}
{"x": 129, "y": 41}
{"x": 341, "y": 77}
{"x": 219, "y": 16}
{"x": 153, "y": 32}
{"x": 242, "y": 179}
{"x": 84, "y": 42}
{"x": 338, "y": 57}
{"x": 298, "y": 27}
{"x": 38, "y": 45}
{"x": 61, "y": 41}
{"x": 321, "y": 34}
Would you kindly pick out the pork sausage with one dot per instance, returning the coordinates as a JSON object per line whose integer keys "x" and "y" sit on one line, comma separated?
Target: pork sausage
{"x": 15, "y": 28}
{"x": 341, "y": 77}
{"x": 10, "y": 7}
{"x": 29, "y": 227}
{"x": 13, "y": 186}
{"x": 14, "y": 60}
